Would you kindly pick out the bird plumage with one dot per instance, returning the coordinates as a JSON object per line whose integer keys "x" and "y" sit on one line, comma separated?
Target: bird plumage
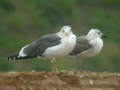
{"x": 49, "y": 46}
{"x": 88, "y": 45}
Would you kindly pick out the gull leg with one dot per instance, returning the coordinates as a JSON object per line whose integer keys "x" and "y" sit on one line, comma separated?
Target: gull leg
{"x": 54, "y": 65}
{"x": 84, "y": 65}
{"x": 81, "y": 65}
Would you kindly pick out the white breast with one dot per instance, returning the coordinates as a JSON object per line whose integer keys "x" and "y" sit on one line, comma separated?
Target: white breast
{"x": 97, "y": 45}
{"x": 63, "y": 49}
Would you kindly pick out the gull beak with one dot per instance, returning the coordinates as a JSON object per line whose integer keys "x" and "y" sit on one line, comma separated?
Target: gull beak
{"x": 104, "y": 36}
{"x": 67, "y": 33}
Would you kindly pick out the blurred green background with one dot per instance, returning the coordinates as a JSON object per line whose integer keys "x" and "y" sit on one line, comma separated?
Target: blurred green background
{"x": 22, "y": 21}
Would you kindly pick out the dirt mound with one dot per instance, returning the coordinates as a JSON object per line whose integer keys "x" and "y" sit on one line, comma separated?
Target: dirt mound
{"x": 71, "y": 80}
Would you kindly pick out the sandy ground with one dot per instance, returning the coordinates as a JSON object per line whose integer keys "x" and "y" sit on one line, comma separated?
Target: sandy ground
{"x": 70, "y": 80}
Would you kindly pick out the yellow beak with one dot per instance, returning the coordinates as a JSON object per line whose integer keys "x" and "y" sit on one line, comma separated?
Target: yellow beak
{"x": 67, "y": 33}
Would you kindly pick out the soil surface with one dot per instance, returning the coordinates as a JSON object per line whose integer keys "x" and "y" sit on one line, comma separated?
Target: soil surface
{"x": 70, "y": 80}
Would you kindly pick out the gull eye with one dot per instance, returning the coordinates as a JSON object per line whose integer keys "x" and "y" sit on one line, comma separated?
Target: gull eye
{"x": 99, "y": 33}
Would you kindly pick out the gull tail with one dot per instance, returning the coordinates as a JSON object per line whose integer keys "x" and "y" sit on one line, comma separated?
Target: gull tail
{"x": 17, "y": 57}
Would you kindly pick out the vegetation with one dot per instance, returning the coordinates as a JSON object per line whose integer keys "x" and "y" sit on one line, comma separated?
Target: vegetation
{"x": 22, "y": 21}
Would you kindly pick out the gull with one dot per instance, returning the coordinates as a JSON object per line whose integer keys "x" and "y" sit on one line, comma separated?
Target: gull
{"x": 49, "y": 47}
{"x": 88, "y": 45}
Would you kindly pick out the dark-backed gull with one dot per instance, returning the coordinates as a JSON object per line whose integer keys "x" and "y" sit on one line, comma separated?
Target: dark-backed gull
{"x": 49, "y": 47}
{"x": 88, "y": 45}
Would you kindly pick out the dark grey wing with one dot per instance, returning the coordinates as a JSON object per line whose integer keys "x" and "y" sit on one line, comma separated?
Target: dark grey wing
{"x": 81, "y": 45}
{"x": 39, "y": 46}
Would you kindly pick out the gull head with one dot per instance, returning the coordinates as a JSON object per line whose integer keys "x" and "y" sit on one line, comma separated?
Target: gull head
{"x": 95, "y": 33}
{"x": 66, "y": 30}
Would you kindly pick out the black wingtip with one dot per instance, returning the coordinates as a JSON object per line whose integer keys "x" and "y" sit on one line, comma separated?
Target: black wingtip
{"x": 14, "y": 57}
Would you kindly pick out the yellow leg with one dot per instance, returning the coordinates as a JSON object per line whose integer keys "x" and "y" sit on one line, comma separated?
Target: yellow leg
{"x": 54, "y": 65}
